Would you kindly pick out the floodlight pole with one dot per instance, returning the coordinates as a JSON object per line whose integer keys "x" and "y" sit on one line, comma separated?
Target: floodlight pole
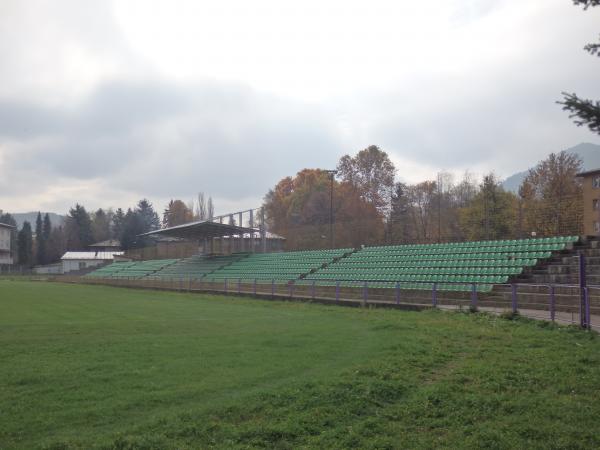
{"x": 331, "y": 177}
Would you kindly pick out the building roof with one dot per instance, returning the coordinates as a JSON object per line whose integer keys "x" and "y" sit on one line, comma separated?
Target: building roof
{"x": 268, "y": 235}
{"x": 588, "y": 173}
{"x": 6, "y": 225}
{"x": 201, "y": 230}
{"x": 107, "y": 243}
{"x": 103, "y": 256}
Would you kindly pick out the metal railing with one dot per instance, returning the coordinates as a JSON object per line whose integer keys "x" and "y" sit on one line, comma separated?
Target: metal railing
{"x": 563, "y": 303}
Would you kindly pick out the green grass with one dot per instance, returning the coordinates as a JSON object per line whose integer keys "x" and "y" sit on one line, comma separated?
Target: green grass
{"x": 101, "y": 367}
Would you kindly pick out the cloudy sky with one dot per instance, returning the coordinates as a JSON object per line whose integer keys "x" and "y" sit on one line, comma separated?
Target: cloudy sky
{"x": 104, "y": 103}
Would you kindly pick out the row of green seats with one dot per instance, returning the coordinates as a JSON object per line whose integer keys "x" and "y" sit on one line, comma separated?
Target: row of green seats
{"x": 432, "y": 270}
{"x": 460, "y": 251}
{"x": 437, "y": 263}
{"x": 438, "y": 257}
{"x": 456, "y": 287}
{"x": 475, "y": 244}
{"x": 494, "y": 279}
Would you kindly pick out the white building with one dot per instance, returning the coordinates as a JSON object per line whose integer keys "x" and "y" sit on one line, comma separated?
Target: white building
{"x": 72, "y": 261}
{"x": 5, "y": 233}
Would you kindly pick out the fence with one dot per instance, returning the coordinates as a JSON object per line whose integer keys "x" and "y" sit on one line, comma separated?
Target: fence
{"x": 567, "y": 304}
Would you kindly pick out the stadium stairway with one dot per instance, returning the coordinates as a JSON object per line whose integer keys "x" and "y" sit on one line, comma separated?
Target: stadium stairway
{"x": 560, "y": 272}
{"x": 279, "y": 268}
{"x": 197, "y": 266}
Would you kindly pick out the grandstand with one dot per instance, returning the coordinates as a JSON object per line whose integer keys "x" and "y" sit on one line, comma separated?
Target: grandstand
{"x": 450, "y": 267}
{"x": 278, "y": 267}
{"x": 196, "y": 267}
{"x": 134, "y": 270}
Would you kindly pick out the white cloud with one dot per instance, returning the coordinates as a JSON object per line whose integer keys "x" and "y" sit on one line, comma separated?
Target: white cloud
{"x": 106, "y": 103}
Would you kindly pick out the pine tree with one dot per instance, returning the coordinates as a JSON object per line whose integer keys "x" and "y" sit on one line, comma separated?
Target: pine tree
{"x": 118, "y": 223}
{"x": 584, "y": 111}
{"x": 148, "y": 217}
{"x": 40, "y": 242}
{"x": 78, "y": 228}
{"x": 25, "y": 245}
{"x": 47, "y": 227}
{"x": 100, "y": 225}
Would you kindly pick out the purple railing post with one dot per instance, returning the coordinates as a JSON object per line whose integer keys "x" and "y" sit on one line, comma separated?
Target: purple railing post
{"x": 273, "y": 287}
{"x": 513, "y": 297}
{"x": 588, "y": 323}
{"x": 291, "y": 290}
{"x": 337, "y": 291}
{"x": 397, "y": 293}
{"x": 434, "y": 295}
{"x": 366, "y": 292}
{"x": 473, "y": 295}
{"x": 552, "y": 303}
{"x": 254, "y": 288}
{"x": 313, "y": 289}
{"x": 582, "y": 285}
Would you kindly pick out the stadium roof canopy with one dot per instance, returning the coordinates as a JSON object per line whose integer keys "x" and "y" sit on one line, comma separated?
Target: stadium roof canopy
{"x": 201, "y": 230}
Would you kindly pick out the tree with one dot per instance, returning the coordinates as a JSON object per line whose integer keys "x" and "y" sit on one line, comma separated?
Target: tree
{"x": 491, "y": 214}
{"x": 47, "y": 227}
{"x": 372, "y": 173}
{"x": 100, "y": 225}
{"x": 25, "y": 245}
{"x": 132, "y": 227}
{"x": 40, "y": 241}
{"x": 585, "y": 111}
{"x": 118, "y": 224}
{"x": 148, "y": 217}
{"x": 177, "y": 213}
{"x": 298, "y": 209}
{"x": 210, "y": 209}
{"x": 201, "y": 213}
{"x": 78, "y": 228}
{"x": 551, "y": 196}
{"x": 56, "y": 244}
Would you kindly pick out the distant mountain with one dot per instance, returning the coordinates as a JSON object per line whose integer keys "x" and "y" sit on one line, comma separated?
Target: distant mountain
{"x": 56, "y": 219}
{"x": 589, "y": 153}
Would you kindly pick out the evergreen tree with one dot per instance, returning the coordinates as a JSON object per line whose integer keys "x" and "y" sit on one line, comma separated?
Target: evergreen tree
{"x": 40, "y": 242}
{"x": 118, "y": 224}
{"x": 78, "y": 228}
{"x": 585, "y": 111}
{"x": 47, "y": 227}
{"x": 25, "y": 245}
{"x": 148, "y": 218}
{"x": 132, "y": 227}
{"x": 100, "y": 225}
{"x": 56, "y": 244}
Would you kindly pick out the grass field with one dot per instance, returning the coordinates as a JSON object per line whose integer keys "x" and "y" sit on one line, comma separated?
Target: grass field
{"x": 101, "y": 367}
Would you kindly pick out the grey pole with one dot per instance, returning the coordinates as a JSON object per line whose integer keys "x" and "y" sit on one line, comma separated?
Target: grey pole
{"x": 241, "y": 223}
{"x": 252, "y": 243}
{"x": 221, "y": 238}
{"x": 263, "y": 231}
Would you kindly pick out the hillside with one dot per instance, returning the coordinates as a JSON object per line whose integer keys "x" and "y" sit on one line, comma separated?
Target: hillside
{"x": 56, "y": 219}
{"x": 589, "y": 153}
